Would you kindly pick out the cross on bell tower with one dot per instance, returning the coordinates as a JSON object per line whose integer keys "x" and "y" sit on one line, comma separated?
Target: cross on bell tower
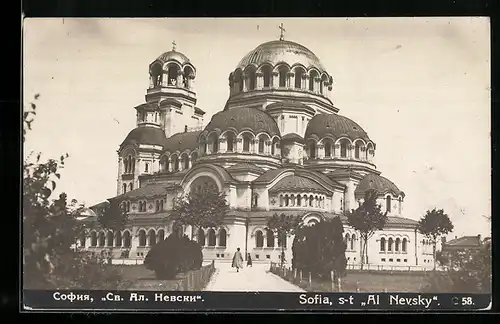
{"x": 283, "y": 30}
{"x": 173, "y": 46}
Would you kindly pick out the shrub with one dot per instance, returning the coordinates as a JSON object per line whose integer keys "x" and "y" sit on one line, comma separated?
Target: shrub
{"x": 174, "y": 255}
{"x": 320, "y": 248}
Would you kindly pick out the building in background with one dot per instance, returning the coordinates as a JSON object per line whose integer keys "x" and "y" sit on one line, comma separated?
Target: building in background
{"x": 278, "y": 145}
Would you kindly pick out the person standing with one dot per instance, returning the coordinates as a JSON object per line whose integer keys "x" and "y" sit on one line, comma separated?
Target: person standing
{"x": 249, "y": 260}
{"x": 237, "y": 260}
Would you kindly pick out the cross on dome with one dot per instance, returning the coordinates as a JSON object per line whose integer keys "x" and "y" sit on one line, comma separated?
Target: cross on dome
{"x": 173, "y": 45}
{"x": 283, "y": 30}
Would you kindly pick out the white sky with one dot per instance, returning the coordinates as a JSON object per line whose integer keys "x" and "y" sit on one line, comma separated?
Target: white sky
{"x": 420, "y": 87}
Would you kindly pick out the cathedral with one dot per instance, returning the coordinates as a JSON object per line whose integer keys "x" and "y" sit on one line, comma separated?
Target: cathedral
{"x": 279, "y": 145}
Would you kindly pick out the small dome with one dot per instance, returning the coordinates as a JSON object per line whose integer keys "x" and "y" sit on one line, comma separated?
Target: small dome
{"x": 173, "y": 56}
{"x": 279, "y": 51}
{"x": 145, "y": 135}
{"x": 379, "y": 183}
{"x": 334, "y": 125}
{"x": 182, "y": 141}
{"x": 244, "y": 118}
{"x": 295, "y": 183}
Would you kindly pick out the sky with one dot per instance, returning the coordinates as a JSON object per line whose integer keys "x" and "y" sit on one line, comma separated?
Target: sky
{"x": 420, "y": 88}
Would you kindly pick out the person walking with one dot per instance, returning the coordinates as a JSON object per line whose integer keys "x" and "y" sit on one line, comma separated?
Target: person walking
{"x": 249, "y": 260}
{"x": 237, "y": 260}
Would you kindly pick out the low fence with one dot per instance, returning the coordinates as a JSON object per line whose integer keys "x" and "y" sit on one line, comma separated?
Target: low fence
{"x": 305, "y": 280}
{"x": 127, "y": 261}
{"x": 195, "y": 280}
{"x": 388, "y": 268}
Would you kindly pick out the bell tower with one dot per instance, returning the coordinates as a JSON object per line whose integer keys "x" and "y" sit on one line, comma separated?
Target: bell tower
{"x": 172, "y": 93}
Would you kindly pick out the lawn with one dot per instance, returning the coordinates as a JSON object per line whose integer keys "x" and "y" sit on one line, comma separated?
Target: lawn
{"x": 368, "y": 282}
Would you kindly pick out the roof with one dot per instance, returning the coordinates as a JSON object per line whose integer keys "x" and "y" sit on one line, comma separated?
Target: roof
{"x": 199, "y": 111}
{"x": 147, "y": 191}
{"x": 145, "y": 135}
{"x": 318, "y": 177}
{"x": 297, "y": 183}
{"x": 245, "y": 167}
{"x": 379, "y": 183}
{"x": 182, "y": 141}
{"x": 173, "y": 56}
{"x": 336, "y": 126}
{"x": 290, "y": 104}
{"x": 275, "y": 52}
{"x": 243, "y": 118}
{"x": 293, "y": 137}
{"x": 343, "y": 172}
{"x": 464, "y": 242}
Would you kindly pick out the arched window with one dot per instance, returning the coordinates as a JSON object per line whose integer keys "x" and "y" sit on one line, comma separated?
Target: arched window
{"x": 146, "y": 167}
{"x": 214, "y": 139}
{"x": 142, "y": 238}
{"x": 124, "y": 188}
{"x": 130, "y": 186}
{"x": 259, "y": 239}
{"x": 266, "y": 71}
{"x": 261, "y": 145}
{"x": 82, "y": 240}
{"x": 353, "y": 241}
{"x": 127, "y": 240}
{"x": 251, "y": 79}
{"x": 382, "y": 244}
{"x": 160, "y": 236}
{"x": 398, "y": 242}
{"x": 347, "y": 241}
{"x": 157, "y": 204}
{"x": 403, "y": 245}
{"x": 389, "y": 246}
{"x": 246, "y": 143}
{"x": 357, "y": 149}
{"x": 343, "y": 149}
{"x": 194, "y": 157}
{"x": 282, "y": 76}
{"x": 311, "y": 200}
{"x": 201, "y": 237}
{"x": 328, "y": 149}
{"x": 118, "y": 239}
{"x": 211, "y": 237}
{"x": 270, "y": 238}
{"x": 93, "y": 239}
{"x": 185, "y": 162}
{"x": 312, "y": 78}
{"x": 388, "y": 204}
{"x": 312, "y": 150}
{"x": 173, "y": 72}
{"x": 230, "y": 141}
{"x": 161, "y": 205}
{"x": 298, "y": 78}
{"x": 287, "y": 201}
{"x": 102, "y": 239}
{"x": 175, "y": 163}
{"x": 222, "y": 237}
{"x": 299, "y": 200}
{"x": 152, "y": 237}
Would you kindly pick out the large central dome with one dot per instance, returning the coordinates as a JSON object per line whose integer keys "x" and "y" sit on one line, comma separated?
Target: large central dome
{"x": 274, "y": 52}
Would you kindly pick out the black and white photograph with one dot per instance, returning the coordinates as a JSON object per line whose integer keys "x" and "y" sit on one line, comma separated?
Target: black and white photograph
{"x": 269, "y": 155}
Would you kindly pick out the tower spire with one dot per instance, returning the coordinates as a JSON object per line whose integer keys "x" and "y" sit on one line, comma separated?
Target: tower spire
{"x": 283, "y": 30}
{"x": 173, "y": 45}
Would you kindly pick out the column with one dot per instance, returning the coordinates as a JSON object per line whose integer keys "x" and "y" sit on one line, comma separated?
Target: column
{"x": 260, "y": 80}
{"x": 277, "y": 149}
{"x": 170, "y": 167}
{"x": 191, "y": 82}
{"x": 276, "y": 80}
{"x": 289, "y": 78}
{"x": 316, "y": 84}
{"x": 222, "y": 145}
{"x": 239, "y": 145}
{"x": 304, "y": 81}
{"x": 180, "y": 79}
{"x": 336, "y": 151}
{"x": 321, "y": 151}
{"x": 371, "y": 153}
{"x": 164, "y": 79}
{"x": 362, "y": 153}
{"x": 254, "y": 145}
{"x": 267, "y": 148}
{"x": 245, "y": 82}
{"x": 350, "y": 151}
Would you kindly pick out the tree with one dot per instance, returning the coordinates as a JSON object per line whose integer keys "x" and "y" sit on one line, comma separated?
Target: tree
{"x": 320, "y": 248}
{"x": 113, "y": 216}
{"x": 50, "y": 230}
{"x": 367, "y": 219}
{"x": 283, "y": 226}
{"x": 433, "y": 225}
{"x": 201, "y": 208}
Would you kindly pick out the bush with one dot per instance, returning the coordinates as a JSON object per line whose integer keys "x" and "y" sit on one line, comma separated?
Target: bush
{"x": 468, "y": 272}
{"x": 174, "y": 255}
{"x": 320, "y": 248}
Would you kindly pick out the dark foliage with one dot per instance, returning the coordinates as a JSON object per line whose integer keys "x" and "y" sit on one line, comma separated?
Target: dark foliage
{"x": 174, "y": 255}
{"x": 433, "y": 225}
{"x": 284, "y": 226}
{"x": 320, "y": 248}
{"x": 113, "y": 216}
